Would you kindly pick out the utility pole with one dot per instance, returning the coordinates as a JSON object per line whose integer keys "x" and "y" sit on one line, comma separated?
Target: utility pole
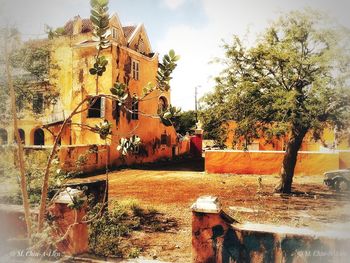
{"x": 196, "y": 102}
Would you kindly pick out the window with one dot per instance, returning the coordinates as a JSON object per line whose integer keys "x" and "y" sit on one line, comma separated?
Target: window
{"x": 38, "y": 102}
{"x": 162, "y": 104}
{"x": 39, "y": 137}
{"x": 135, "y": 69}
{"x": 135, "y": 109}
{"x": 164, "y": 139}
{"x": 21, "y": 136}
{"x": 116, "y": 111}
{"x": 3, "y": 137}
{"x": 141, "y": 46}
{"x": 114, "y": 33}
{"x": 20, "y": 102}
{"x": 96, "y": 108}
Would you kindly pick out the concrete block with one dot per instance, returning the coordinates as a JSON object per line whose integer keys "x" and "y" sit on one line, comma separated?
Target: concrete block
{"x": 207, "y": 204}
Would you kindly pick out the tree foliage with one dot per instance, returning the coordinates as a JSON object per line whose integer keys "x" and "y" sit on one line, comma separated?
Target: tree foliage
{"x": 100, "y": 21}
{"x": 294, "y": 80}
{"x": 214, "y": 114}
{"x": 185, "y": 122}
{"x": 168, "y": 116}
{"x": 165, "y": 69}
{"x": 31, "y": 70}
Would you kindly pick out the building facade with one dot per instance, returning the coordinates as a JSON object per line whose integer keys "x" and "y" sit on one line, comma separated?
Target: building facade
{"x": 130, "y": 61}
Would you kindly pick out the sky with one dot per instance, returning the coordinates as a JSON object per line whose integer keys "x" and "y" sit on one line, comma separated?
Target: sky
{"x": 195, "y": 29}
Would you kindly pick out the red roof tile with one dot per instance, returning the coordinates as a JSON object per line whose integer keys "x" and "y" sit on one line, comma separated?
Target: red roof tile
{"x": 128, "y": 30}
{"x": 86, "y": 26}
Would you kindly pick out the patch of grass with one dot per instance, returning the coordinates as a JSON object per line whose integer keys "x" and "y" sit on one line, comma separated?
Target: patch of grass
{"x": 134, "y": 252}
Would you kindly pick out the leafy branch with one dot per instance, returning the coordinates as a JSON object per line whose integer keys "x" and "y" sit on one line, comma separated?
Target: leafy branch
{"x": 100, "y": 21}
{"x": 168, "y": 116}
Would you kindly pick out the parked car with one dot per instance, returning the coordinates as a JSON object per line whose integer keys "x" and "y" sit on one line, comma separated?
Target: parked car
{"x": 338, "y": 180}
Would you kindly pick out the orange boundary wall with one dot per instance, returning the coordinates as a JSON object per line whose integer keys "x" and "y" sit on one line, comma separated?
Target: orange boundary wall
{"x": 344, "y": 159}
{"x": 269, "y": 162}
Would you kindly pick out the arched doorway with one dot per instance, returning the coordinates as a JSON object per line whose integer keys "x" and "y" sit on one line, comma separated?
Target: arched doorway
{"x": 3, "y": 137}
{"x": 39, "y": 137}
{"x": 22, "y": 136}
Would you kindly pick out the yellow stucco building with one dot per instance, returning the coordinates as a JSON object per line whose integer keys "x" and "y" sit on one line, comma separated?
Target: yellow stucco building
{"x": 329, "y": 142}
{"x": 130, "y": 61}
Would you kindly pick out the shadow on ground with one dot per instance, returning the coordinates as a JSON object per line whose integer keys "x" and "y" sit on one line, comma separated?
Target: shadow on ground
{"x": 190, "y": 164}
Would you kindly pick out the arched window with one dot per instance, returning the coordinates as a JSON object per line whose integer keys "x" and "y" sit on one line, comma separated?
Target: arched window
{"x": 39, "y": 137}
{"x": 22, "y": 136}
{"x": 3, "y": 137}
{"x": 141, "y": 45}
{"x": 162, "y": 104}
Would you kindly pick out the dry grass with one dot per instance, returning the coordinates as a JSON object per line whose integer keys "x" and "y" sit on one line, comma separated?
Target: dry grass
{"x": 172, "y": 191}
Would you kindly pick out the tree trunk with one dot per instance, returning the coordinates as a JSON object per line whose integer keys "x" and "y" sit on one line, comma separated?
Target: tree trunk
{"x": 290, "y": 159}
{"x": 45, "y": 186}
{"x": 20, "y": 148}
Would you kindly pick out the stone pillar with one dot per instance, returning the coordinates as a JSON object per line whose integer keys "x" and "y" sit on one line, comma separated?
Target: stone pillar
{"x": 209, "y": 226}
{"x": 67, "y": 219}
{"x": 196, "y": 141}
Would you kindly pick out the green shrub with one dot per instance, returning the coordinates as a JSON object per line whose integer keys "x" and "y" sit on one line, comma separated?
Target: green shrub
{"x": 107, "y": 232}
{"x": 35, "y": 164}
{"x": 110, "y": 233}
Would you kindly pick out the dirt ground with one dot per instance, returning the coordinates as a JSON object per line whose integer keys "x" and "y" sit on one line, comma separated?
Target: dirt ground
{"x": 172, "y": 189}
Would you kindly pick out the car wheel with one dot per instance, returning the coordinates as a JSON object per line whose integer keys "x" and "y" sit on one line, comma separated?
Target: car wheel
{"x": 341, "y": 185}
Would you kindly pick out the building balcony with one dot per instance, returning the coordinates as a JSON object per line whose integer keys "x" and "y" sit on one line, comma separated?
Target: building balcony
{"x": 53, "y": 118}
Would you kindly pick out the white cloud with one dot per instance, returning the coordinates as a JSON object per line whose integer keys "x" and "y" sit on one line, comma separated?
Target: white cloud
{"x": 193, "y": 69}
{"x": 31, "y": 16}
{"x": 198, "y": 46}
{"x": 174, "y": 4}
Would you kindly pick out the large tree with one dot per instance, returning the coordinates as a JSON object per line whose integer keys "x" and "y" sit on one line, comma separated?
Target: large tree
{"x": 294, "y": 80}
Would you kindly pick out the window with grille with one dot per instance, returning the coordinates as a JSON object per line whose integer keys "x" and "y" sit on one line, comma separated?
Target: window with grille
{"x": 135, "y": 66}
{"x": 141, "y": 46}
{"x": 114, "y": 33}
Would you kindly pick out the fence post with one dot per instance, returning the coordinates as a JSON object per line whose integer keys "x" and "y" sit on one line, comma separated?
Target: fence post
{"x": 209, "y": 226}
{"x": 69, "y": 224}
{"x": 196, "y": 141}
